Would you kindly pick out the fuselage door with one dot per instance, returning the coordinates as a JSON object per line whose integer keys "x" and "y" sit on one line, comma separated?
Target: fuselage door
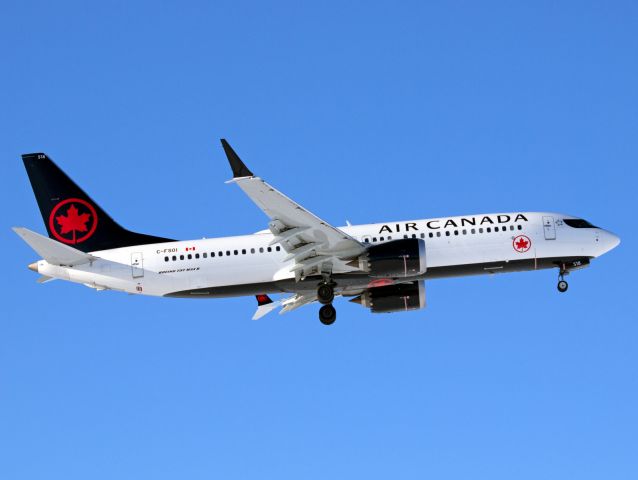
{"x": 137, "y": 264}
{"x": 549, "y": 228}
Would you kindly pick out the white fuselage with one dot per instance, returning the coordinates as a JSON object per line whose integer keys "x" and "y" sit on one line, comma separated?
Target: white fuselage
{"x": 248, "y": 264}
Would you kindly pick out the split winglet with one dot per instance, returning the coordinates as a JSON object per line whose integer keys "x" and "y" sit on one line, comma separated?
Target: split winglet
{"x": 239, "y": 168}
{"x": 264, "y": 306}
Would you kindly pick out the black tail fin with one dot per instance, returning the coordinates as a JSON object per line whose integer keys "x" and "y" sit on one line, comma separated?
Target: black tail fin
{"x": 71, "y": 216}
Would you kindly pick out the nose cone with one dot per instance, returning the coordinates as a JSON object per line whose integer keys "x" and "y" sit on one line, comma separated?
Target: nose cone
{"x": 33, "y": 267}
{"x": 608, "y": 241}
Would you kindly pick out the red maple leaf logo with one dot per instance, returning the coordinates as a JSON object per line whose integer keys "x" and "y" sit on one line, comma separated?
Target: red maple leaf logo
{"x": 521, "y": 244}
{"x": 72, "y": 222}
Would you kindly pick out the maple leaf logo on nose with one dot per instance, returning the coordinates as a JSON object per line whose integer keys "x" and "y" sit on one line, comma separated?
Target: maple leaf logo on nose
{"x": 521, "y": 244}
{"x": 73, "y": 221}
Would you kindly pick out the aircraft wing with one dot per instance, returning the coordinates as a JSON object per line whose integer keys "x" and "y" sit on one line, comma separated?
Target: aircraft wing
{"x": 312, "y": 243}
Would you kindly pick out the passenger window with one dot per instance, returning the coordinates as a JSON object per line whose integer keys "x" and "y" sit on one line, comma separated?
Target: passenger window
{"x": 236, "y": 252}
{"x": 174, "y": 258}
{"x": 473, "y": 231}
{"x": 252, "y": 250}
{"x": 221, "y": 254}
{"x": 405, "y": 236}
{"x": 389, "y": 238}
{"x": 414, "y": 235}
{"x": 438, "y": 234}
{"x": 261, "y": 249}
{"x": 423, "y": 235}
{"x": 381, "y": 239}
{"x": 520, "y": 227}
{"x": 269, "y": 249}
{"x": 190, "y": 257}
{"x": 278, "y": 248}
{"x": 228, "y": 253}
{"x": 464, "y": 232}
{"x": 511, "y": 227}
{"x": 166, "y": 259}
{"x": 430, "y": 235}
{"x": 366, "y": 240}
{"x": 480, "y": 230}
{"x": 489, "y": 230}
{"x": 205, "y": 255}
{"x": 243, "y": 251}
{"x": 447, "y": 234}
{"x": 197, "y": 255}
{"x": 374, "y": 239}
{"x": 181, "y": 257}
{"x": 456, "y": 232}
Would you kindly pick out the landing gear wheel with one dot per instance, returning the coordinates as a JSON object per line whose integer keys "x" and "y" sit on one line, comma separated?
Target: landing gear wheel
{"x": 327, "y": 314}
{"x": 562, "y": 286}
{"x": 325, "y": 294}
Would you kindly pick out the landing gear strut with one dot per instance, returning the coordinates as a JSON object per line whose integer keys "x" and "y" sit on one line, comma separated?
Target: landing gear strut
{"x": 562, "y": 284}
{"x": 327, "y": 314}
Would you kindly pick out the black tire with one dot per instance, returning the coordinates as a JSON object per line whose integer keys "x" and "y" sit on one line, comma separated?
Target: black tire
{"x": 325, "y": 294}
{"x": 562, "y": 286}
{"x": 327, "y": 314}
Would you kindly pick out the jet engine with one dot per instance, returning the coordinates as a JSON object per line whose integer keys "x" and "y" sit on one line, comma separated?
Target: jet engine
{"x": 401, "y": 297}
{"x": 395, "y": 259}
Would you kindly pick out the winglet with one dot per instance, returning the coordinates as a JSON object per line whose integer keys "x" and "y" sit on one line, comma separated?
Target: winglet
{"x": 239, "y": 169}
{"x": 264, "y": 306}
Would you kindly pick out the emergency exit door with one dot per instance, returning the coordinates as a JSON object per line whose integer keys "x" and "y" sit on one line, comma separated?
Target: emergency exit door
{"x": 549, "y": 228}
{"x": 137, "y": 264}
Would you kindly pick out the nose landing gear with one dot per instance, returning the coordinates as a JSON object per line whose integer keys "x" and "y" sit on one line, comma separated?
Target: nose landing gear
{"x": 562, "y": 284}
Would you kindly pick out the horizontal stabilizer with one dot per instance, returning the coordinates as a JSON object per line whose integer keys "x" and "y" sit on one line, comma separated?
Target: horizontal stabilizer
{"x": 45, "y": 279}
{"x": 52, "y": 251}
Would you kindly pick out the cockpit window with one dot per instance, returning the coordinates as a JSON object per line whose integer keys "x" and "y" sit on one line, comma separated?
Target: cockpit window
{"x": 578, "y": 223}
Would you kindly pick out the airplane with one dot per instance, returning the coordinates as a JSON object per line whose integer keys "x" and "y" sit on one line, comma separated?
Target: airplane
{"x": 381, "y": 266}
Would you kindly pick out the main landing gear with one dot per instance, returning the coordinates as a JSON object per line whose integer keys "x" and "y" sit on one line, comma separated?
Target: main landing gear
{"x": 562, "y": 284}
{"x": 327, "y": 314}
{"x": 325, "y": 296}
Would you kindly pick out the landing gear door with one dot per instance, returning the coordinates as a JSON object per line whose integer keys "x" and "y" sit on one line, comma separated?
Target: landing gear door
{"x": 549, "y": 228}
{"x": 137, "y": 265}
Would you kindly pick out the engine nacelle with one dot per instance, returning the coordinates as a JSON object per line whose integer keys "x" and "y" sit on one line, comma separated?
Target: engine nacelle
{"x": 394, "y": 298}
{"x": 395, "y": 259}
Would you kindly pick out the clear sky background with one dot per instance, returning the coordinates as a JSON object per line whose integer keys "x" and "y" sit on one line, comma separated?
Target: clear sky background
{"x": 366, "y": 111}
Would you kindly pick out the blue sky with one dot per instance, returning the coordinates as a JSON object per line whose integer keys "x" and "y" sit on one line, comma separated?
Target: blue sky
{"x": 365, "y": 111}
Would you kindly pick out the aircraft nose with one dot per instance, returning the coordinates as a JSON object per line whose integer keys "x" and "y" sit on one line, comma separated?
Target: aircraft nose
{"x": 609, "y": 241}
{"x": 614, "y": 240}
